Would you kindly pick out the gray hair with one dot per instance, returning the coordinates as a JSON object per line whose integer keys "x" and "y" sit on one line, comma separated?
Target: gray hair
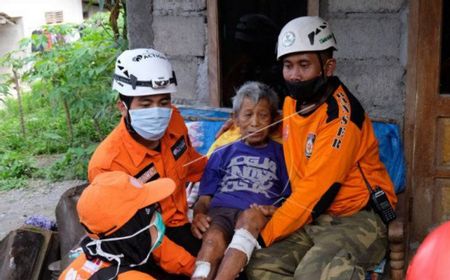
{"x": 255, "y": 91}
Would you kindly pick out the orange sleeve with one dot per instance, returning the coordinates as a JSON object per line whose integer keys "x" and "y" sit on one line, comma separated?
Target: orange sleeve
{"x": 195, "y": 165}
{"x": 100, "y": 161}
{"x": 173, "y": 258}
{"x": 92, "y": 172}
{"x": 327, "y": 166}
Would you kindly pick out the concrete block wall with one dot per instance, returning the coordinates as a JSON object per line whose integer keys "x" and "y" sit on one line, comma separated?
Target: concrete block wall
{"x": 371, "y": 56}
{"x": 179, "y": 28}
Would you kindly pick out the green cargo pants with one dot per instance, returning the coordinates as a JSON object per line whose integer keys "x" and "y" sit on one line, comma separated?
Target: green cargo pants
{"x": 330, "y": 248}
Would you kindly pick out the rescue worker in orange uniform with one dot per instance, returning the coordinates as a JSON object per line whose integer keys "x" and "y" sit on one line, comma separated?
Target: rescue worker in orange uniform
{"x": 333, "y": 226}
{"x": 151, "y": 141}
{"x": 124, "y": 226}
{"x": 328, "y": 228}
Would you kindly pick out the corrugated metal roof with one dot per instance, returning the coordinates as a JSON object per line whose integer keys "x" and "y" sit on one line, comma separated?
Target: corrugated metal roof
{"x": 5, "y": 19}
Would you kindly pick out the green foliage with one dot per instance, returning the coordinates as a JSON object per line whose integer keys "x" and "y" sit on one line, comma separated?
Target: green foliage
{"x": 13, "y": 164}
{"x": 4, "y": 87}
{"x": 69, "y": 106}
{"x": 16, "y": 61}
{"x": 12, "y": 183}
{"x": 73, "y": 165}
{"x": 77, "y": 76}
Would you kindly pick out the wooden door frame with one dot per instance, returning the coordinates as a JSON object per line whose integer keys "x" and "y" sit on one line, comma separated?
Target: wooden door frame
{"x": 411, "y": 97}
{"x": 213, "y": 52}
{"x": 422, "y": 86}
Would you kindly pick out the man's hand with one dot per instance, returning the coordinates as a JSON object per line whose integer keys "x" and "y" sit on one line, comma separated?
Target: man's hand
{"x": 200, "y": 225}
{"x": 253, "y": 220}
{"x": 267, "y": 210}
{"x": 201, "y": 221}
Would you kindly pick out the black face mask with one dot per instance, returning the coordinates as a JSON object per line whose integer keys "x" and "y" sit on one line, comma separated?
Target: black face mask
{"x": 307, "y": 92}
{"x": 131, "y": 251}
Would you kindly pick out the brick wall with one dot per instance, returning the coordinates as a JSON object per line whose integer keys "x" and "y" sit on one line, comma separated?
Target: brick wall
{"x": 371, "y": 56}
{"x": 371, "y": 52}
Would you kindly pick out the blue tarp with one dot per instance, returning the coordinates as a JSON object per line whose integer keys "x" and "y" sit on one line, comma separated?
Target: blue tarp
{"x": 203, "y": 125}
{"x": 391, "y": 152}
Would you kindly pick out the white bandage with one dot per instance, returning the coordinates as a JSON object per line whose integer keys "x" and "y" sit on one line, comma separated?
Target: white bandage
{"x": 244, "y": 241}
{"x": 202, "y": 269}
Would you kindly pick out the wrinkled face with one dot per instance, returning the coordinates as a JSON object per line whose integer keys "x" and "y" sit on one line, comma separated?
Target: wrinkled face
{"x": 299, "y": 67}
{"x": 253, "y": 121}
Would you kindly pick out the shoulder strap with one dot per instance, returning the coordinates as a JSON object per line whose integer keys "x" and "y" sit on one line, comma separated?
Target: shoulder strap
{"x": 369, "y": 187}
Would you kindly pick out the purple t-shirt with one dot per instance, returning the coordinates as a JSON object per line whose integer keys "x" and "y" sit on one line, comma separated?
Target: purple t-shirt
{"x": 239, "y": 175}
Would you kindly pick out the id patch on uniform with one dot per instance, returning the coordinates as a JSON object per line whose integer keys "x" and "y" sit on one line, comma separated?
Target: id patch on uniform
{"x": 179, "y": 148}
{"x": 309, "y": 144}
{"x": 91, "y": 267}
{"x": 149, "y": 173}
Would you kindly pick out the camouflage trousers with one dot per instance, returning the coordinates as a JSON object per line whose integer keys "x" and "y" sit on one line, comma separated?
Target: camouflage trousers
{"x": 330, "y": 248}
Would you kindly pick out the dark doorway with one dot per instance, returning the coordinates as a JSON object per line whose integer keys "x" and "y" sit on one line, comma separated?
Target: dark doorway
{"x": 445, "y": 49}
{"x": 248, "y": 31}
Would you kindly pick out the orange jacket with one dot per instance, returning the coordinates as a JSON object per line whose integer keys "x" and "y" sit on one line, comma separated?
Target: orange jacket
{"x": 81, "y": 268}
{"x": 177, "y": 160}
{"x": 322, "y": 150}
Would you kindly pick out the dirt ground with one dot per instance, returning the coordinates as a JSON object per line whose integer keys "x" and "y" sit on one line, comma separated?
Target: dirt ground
{"x": 39, "y": 198}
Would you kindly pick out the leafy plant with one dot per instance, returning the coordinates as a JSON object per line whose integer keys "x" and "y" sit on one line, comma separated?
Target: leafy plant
{"x": 69, "y": 106}
{"x": 15, "y": 61}
{"x": 12, "y": 183}
{"x": 4, "y": 87}
{"x": 73, "y": 165}
{"x": 15, "y": 165}
{"x": 80, "y": 80}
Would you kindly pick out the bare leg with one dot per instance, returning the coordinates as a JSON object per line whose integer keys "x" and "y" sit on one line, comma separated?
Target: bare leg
{"x": 232, "y": 264}
{"x": 212, "y": 250}
{"x": 235, "y": 260}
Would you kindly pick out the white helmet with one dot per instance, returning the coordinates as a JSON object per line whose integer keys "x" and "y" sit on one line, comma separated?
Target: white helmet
{"x": 305, "y": 34}
{"x": 143, "y": 72}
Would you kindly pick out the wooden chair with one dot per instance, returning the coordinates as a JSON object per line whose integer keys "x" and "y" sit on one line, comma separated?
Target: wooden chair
{"x": 392, "y": 155}
{"x": 397, "y": 249}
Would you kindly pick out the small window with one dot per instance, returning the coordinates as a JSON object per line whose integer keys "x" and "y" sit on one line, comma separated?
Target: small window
{"x": 54, "y": 17}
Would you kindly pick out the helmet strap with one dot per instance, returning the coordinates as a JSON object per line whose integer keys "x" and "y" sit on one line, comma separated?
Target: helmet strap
{"x": 322, "y": 69}
{"x": 128, "y": 120}
{"x": 155, "y": 84}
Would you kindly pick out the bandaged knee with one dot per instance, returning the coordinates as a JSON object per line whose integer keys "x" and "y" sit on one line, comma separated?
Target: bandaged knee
{"x": 202, "y": 269}
{"x": 244, "y": 241}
